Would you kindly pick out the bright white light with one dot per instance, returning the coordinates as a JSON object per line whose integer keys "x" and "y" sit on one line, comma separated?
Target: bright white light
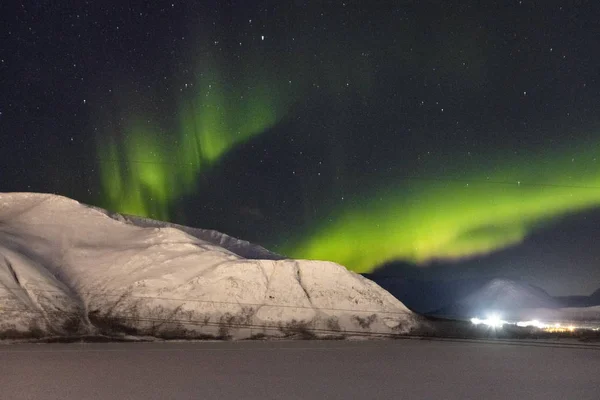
{"x": 534, "y": 322}
{"x": 492, "y": 321}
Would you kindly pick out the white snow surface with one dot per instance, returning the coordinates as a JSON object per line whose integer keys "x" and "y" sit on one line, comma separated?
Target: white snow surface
{"x": 66, "y": 267}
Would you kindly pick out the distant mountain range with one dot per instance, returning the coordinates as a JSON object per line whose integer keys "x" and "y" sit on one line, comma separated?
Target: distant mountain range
{"x": 466, "y": 298}
{"x": 581, "y": 301}
{"x": 500, "y": 296}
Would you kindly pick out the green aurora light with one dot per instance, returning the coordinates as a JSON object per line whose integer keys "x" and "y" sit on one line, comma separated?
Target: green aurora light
{"x": 144, "y": 173}
{"x": 146, "y": 168}
{"x": 478, "y": 204}
{"x": 420, "y": 221}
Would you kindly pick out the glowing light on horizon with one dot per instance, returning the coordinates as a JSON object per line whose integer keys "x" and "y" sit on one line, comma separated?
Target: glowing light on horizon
{"x": 534, "y": 323}
{"x": 493, "y": 321}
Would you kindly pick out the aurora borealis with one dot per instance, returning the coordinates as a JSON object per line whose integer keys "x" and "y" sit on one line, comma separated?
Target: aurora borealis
{"x": 144, "y": 172}
{"x": 429, "y": 133}
{"x": 482, "y": 212}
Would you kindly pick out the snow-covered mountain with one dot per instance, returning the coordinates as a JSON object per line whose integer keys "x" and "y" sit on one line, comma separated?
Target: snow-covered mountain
{"x": 503, "y": 296}
{"x": 242, "y": 248}
{"x": 70, "y": 268}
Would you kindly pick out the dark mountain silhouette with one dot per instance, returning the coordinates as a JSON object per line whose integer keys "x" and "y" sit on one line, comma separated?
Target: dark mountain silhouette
{"x": 412, "y": 286}
{"x": 581, "y": 301}
{"x": 500, "y": 295}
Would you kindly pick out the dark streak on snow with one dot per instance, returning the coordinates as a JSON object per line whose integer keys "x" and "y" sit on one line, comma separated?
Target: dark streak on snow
{"x": 299, "y": 279}
{"x": 12, "y": 271}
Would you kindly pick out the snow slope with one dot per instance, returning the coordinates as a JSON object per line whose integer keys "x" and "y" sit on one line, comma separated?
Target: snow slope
{"x": 240, "y": 247}
{"x": 66, "y": 267}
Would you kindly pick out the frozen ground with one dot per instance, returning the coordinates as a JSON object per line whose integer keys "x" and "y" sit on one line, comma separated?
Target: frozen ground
{"x": 67, "y": 268}
{"x": 403, "y": 369}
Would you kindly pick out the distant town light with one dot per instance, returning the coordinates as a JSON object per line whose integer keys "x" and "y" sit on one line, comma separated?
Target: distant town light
{"x": 536, "y": 323}
{"x": 493, "y": 321}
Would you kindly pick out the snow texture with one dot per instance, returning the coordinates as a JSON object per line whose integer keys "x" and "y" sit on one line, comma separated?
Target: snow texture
{"x": 67, "y": 267}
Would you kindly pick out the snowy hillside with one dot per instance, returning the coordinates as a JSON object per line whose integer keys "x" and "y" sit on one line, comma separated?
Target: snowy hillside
{"x": 69, "y": 268}
{"x": 502, "y": 296}
{"x": 240, "y": 247}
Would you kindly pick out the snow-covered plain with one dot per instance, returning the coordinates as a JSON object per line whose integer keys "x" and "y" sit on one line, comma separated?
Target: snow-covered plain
{"x": 66, "y": 268}
{"x": 253, "y": 370}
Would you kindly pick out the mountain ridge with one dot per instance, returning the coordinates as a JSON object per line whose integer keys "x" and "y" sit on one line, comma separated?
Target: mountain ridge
{"x": 66, "y": 264}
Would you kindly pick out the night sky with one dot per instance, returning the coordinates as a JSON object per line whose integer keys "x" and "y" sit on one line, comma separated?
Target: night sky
{"x": 453, "y": 138}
